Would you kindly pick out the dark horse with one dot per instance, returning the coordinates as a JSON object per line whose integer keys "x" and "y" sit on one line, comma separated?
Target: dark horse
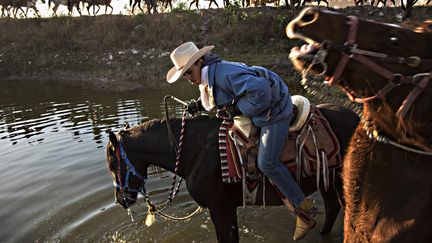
{"x": 387, "y": 171}
{"x": 200, "y": 167}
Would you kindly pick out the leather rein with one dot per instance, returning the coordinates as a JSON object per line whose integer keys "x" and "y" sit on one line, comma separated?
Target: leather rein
{"x": 350, "y": 51}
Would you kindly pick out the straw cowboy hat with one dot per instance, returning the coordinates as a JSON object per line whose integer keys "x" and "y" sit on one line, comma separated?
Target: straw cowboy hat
{"x": 183, "y": 58}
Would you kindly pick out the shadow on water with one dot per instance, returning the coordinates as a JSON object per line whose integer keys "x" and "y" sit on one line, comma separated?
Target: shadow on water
{"x": 55, "y": 185}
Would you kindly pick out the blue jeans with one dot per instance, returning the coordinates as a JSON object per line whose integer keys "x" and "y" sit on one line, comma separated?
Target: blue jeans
{"x": 272, "y": 140}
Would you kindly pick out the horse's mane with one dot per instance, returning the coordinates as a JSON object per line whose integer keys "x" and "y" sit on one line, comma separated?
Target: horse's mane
{"x": 409, "y": 129}
{"x": 155, "y": 124}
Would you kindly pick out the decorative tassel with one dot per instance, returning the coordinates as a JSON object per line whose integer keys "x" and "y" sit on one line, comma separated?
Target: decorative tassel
{"x": 150, "y": 219}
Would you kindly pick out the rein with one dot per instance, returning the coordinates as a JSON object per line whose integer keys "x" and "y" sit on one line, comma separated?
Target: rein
{"x": 175, "y": 188}
{"x": 373, "y": 133}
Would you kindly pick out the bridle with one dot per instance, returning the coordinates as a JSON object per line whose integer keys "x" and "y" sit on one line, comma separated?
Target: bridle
{"x": 350, "y": 51}
{"x": 122, "y": 184}
{"x": 120, "y": 155}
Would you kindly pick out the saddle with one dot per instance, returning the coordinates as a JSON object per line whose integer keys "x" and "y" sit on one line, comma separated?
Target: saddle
{"x": 311, "y": 147}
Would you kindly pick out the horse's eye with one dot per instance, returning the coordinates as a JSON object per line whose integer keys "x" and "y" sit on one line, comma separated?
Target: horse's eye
{"x": 394, "y": 40}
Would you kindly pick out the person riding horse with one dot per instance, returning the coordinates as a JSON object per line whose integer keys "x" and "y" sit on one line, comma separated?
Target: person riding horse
{"x": 253, "y": 91}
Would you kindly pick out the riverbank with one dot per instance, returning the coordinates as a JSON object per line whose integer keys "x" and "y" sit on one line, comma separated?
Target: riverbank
{"x": 119, "y": 52}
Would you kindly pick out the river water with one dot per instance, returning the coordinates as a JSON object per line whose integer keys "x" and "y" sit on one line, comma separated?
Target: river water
{"x": 55, "y": 186}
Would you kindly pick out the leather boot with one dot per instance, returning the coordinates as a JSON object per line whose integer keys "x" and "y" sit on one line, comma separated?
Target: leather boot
{"x": 304, "y": 220}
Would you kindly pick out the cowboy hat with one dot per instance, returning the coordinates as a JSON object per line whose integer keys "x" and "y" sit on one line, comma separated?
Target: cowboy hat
{"x": 183, "y": 57}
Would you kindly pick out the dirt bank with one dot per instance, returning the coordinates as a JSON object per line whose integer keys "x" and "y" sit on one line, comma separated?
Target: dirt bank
{"x": 132, "y": 52}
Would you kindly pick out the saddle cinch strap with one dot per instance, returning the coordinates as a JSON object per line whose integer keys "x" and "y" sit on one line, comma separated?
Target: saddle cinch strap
{"x": 311, "y": 147}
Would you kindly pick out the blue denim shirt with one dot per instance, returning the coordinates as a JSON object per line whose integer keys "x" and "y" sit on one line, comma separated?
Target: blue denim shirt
{"x": 261, "y": 94}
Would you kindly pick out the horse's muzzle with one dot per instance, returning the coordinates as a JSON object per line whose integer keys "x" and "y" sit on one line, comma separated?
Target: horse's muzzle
{"x": 126, "y": 199}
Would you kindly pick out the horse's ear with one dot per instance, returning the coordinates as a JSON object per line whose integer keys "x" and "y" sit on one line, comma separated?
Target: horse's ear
{"x": 113, "y": 139}
{"x": 126, "y": 125}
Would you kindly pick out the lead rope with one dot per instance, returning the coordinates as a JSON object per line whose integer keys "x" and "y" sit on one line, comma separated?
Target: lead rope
{"x": 175, "y": 188}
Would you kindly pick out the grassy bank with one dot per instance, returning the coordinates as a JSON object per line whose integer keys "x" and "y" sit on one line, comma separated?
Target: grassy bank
{"x": 132, "y": 52}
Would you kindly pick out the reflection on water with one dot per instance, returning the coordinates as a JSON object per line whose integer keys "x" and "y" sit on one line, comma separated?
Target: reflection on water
{"x": 53, "y": 177}
{"x": 32, "y": 116}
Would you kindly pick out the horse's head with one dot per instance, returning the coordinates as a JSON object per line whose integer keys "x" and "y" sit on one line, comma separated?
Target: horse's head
{"x": 387, "y": 66}
{"x": 128, "y": 178}
{"x": 360, "y": 55}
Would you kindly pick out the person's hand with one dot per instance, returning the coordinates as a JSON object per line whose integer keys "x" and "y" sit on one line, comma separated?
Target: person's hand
{"x": 228, "y": 112}
{"x": 194, "y": 106}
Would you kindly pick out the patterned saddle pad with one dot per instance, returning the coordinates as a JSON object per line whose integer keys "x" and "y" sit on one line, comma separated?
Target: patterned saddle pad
{"x": 313, "y": 150}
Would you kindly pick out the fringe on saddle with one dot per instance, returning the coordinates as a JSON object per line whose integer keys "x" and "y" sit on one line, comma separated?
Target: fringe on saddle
{"x": 311, "y": 149}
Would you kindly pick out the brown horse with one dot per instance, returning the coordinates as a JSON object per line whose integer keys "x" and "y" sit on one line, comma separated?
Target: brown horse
{"x": 98, "y": 3}
{"x": 197, "y": 3}
{"x": 387, "y": 171}
{"x": 20, "y": 4}
{"x": 69, "y": 3}
{"x": 384, "y": 2}
{"x": 6, "y": 5}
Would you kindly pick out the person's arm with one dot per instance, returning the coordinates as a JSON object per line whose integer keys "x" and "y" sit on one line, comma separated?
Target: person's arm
{"x": 254, "y": 93}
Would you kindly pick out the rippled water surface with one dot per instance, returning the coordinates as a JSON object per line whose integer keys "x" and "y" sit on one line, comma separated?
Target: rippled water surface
{"x": 54, "y": 184}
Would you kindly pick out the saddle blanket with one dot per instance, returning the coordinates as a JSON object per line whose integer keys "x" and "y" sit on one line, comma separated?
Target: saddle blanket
{"x": 231, "y": 170}
{"x": 310, "y": 151}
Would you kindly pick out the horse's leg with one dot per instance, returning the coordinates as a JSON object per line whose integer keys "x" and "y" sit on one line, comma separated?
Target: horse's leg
{"x": 214, "y": 1}
{"x": 4, "y": 14}
{"x": 55, "y": 9}
{"x": 36, "y": 11}
{"x": 78, "y": 9}
{"x": 139, "y": 6}
{"x": 190, "y": 5}
{"x": 332, "y": 203}
{"x": 22, "y": 10}
{"x": 225, "y": 223}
